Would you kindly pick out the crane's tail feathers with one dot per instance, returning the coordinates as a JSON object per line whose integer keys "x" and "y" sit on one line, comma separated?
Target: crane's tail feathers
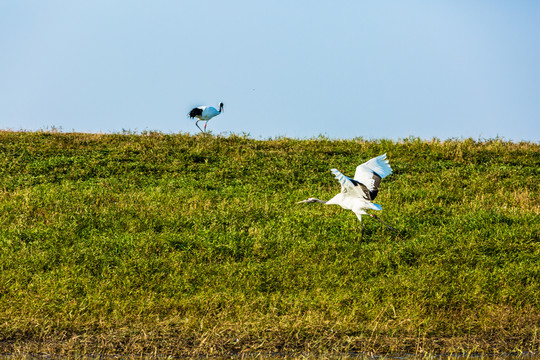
{"x": 194, "y": 112}
{"x": 375, "y": 206}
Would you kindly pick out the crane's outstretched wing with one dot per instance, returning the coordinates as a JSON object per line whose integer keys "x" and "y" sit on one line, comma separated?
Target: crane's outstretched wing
{"x": 371, "y": 172}
{"x": 350, "y": 186}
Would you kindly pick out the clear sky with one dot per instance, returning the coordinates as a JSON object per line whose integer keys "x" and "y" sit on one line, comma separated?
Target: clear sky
{"x": 295, "y": 68}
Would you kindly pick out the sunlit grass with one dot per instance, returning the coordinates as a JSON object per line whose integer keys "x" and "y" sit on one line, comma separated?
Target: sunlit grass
{"x": 195, "y": 244}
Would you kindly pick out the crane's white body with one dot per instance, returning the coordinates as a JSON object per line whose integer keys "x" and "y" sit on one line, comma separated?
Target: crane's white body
{"x": 357, "y": 193}
{"x": 355, "y": 204}
{"x": 208, "y": 112}
{"x": 205, "y": 113}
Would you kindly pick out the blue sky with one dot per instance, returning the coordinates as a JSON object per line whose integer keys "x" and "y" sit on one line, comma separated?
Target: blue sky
{"x": 345, "y": 69}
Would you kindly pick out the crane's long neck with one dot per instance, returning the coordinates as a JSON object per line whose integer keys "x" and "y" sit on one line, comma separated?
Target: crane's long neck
{"x": 318, "y": 200}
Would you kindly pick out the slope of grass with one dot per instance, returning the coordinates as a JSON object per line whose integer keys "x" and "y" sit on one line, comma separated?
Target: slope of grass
{"x": 177, "y": 244}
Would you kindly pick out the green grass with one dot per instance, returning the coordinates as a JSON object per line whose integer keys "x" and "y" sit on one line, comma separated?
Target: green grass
{"x": 178, "y": 244}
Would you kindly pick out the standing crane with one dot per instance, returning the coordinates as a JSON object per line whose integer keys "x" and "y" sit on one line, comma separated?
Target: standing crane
{"x": 205, "y": 113}
{"x": 357, "y": 194}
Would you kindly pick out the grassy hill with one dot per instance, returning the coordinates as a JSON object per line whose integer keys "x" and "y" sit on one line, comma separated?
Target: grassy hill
{"x": 178, "y": 244}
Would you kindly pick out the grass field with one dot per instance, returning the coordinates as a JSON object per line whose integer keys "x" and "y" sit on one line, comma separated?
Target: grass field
{"x": 180, "y": 245}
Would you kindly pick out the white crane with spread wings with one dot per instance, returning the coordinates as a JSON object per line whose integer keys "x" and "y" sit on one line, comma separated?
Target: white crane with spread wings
{"x": 357, "y": 194}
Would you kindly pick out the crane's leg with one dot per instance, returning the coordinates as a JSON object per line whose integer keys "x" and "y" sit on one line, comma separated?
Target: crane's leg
{"x": 206, "y": 123}
{"x": 359, "y": 216}
{"x": 197, "y": 123}
{"x": 382, "y": 222}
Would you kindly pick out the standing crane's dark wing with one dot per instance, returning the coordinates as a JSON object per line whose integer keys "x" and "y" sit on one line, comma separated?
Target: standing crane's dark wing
{"x": 195, "y": 112}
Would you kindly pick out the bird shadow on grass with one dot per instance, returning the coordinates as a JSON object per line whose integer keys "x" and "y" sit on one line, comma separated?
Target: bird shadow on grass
{"x": 374, "y": 236}
{"x": 372, "y": 233}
